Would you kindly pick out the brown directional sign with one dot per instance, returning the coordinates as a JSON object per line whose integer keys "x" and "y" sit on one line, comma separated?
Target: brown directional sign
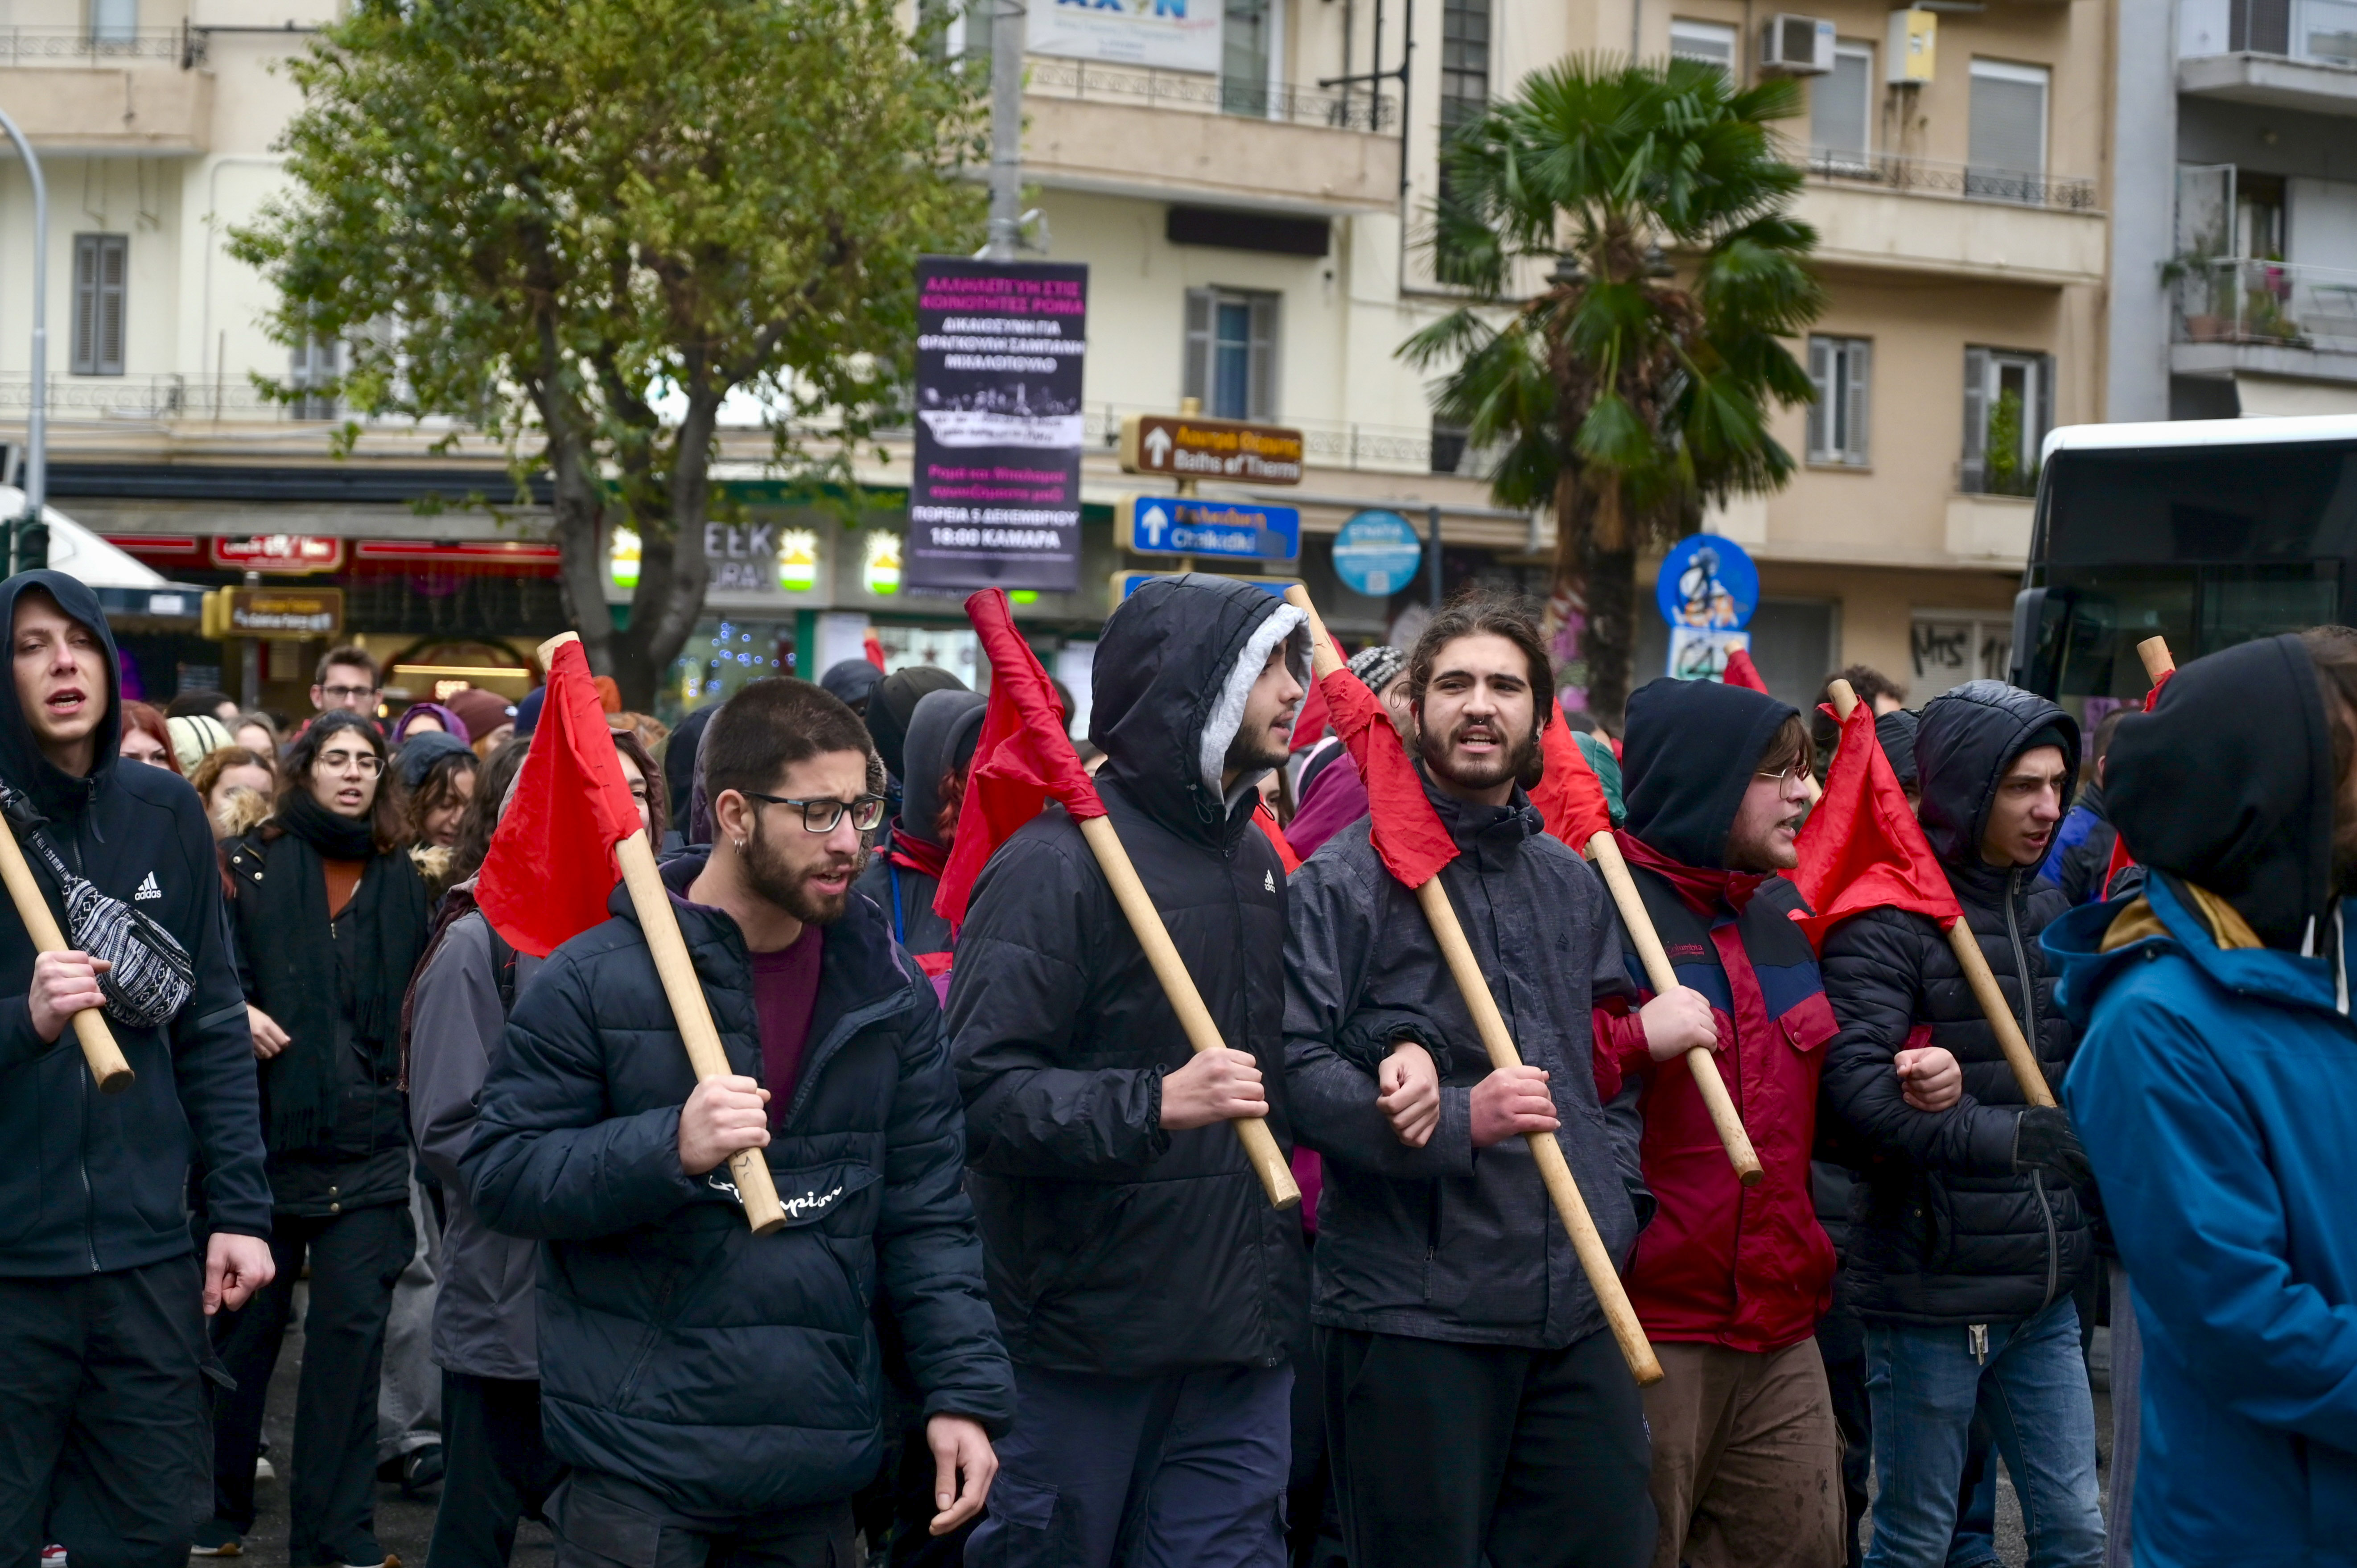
{"x": 1187, "y": 446}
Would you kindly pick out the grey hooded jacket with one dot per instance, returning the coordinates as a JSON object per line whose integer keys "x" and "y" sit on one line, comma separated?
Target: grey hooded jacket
{"x": 1449, "y": 1241}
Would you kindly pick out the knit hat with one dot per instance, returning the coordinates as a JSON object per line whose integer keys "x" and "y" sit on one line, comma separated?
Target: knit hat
{"x": 197, "y": 736}
{"x": 480, "y": 711}
{"x": 1378, "y": 666}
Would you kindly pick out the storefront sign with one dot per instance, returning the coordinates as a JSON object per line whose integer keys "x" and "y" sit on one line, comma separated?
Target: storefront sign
{"x": 289, "y": 553}
{"x": 1193, "y": 448}
{"x": 1377, "y": 553}
{"x": 1127, "y": 582}
{"x": 1167, "y": 34}
{"x": 997, "y": 497}
{"x": 879, "y": 568}
{"x": 797, "y": 560}
{"x": 1170, "y": 525}
{"x": 1707, "y": 581}
{"x": 274, "y": 612}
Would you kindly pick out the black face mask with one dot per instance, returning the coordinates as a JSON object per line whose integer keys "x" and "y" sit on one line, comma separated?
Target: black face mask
{"x": 151, "y": 975}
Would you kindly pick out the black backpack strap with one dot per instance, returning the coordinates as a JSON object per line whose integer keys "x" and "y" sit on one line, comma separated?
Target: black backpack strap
{"x": 503, "y": 968}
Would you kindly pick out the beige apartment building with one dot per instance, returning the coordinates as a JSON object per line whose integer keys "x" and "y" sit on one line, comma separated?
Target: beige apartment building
{"x": 1246, "y": 180}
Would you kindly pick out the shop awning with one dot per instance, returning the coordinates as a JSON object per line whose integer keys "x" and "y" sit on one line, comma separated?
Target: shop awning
{"x": 125, "y": 587}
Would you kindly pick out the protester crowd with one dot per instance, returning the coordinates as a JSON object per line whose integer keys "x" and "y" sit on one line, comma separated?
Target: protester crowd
{"x": 1031, "y": 1302}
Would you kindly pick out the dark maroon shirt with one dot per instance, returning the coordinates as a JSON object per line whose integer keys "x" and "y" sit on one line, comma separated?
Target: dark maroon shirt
{"x": 785, "y": 996}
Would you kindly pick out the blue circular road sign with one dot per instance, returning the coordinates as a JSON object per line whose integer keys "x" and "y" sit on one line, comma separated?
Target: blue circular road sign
{"x": 1377, "y": 553}
{"x": 1709, "y": 582}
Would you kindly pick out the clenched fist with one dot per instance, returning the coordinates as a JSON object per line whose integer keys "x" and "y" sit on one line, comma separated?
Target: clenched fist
{"x": 723, "y": 1115}
{"x": 1410, "y": 1099}
{"x": 1217, "y": 1086}
{"x": 64, "y": 984}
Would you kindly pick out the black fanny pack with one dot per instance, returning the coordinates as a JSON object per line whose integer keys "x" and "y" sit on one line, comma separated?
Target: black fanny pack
{"x": 150, "y": 977}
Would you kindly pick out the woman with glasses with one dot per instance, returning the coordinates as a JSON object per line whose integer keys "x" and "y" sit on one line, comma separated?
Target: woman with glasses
{"x": 330, "y": 917}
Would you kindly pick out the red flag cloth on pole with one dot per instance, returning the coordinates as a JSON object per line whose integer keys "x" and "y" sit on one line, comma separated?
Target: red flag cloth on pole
{"x": 872, "y": 647}
{"x": 1265, "y": 821}
{"x": 551, "y": 865}
{"x": 1022, "y": 760}
{"x": 1741, "y": 672}
{"x": 2121, "y": 859}
{"x": 1408, "y": 834}
{"x": 1862, "y": 848}
{"x": 1569, "y": 797}
{"x": 1310, "y": 727}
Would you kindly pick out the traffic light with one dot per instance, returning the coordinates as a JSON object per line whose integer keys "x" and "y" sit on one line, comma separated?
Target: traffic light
{"x": 26, "y": 543}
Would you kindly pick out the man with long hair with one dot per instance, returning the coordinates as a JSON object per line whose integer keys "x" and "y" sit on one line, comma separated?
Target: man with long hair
{"x": 1476, "y": 1402}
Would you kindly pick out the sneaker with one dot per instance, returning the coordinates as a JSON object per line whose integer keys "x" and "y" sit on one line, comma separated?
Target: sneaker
{"x": 391, "y": 1560}
{"x": 53, "y": 1557}
{"x": 422, "y": 1471}
{"x": 263, "y": 1470}
{"x": 214, "y": 1539}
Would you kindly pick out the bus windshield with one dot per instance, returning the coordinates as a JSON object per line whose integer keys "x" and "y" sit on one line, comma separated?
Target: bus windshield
{"x": 2207, "y": 545}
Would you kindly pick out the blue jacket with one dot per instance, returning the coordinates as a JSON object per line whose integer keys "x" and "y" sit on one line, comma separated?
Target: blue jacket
{"x": 2216, "y": 1093}
{"x": 735, "y": 1374}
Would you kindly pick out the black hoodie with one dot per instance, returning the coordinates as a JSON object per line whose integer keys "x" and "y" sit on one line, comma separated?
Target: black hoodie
{"x": 96, "y": 1183}
{"x": 1946, "y": 1230}
{"x": 1113, "y": 1246}
{"x": 1693, "y": 746}
{"x": 2259, "y": 834}
{"x": 941, "y": 735}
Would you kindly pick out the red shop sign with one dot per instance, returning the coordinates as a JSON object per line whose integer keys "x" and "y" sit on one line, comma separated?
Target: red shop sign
{"x": 293, "y": 552}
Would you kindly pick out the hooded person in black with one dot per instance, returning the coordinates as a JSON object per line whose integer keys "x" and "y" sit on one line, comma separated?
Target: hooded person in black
{"x": 1148, "y": 1292}
{"x": 1969, "y": 1234}
{"x": 102, "y": 1298}
{"x": 903, "y": 878}
{"x": 893, "y": 707}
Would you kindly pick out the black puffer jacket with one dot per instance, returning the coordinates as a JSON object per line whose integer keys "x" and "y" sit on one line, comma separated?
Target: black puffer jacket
{"x": 94, "y": 1182}
{"x": 1944, "y": 1230}
{"x": 1116, "y": 1247}
{"x": 735, "y": 1374}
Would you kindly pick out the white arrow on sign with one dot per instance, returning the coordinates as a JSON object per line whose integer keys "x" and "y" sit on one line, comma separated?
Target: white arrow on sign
{"x": 1158, "y": 447}
{"x": 1155, "y": 519}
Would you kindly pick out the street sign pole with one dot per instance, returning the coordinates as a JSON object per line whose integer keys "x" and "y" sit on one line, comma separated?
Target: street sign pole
{"x": 1433, "y": 545}
{"x": 1006, "y": 30}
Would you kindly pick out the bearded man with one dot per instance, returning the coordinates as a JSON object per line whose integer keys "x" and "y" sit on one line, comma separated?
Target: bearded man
{"x": 1477, "y": 1408}
{"x": 720, "y": 1395}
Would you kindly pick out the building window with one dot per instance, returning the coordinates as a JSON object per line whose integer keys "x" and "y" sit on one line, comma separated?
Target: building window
{"x": 1713, "y": 43}
{"x": 1231, "y": 352}
{"x": 2009, "y": 132}
{"x": 1246, "y": 53}
{"x": 2008, "y": 408}
{"x": 312, "y": 371}
{"x": 114, "y": 21}
{"x": 1838, "y": 367}
{"x": 1841, "y": 109}
{"x": 1464, "y": 63}
{"x": 102, "y": 267}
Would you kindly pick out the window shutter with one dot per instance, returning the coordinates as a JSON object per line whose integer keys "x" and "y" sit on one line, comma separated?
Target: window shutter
{"x": 1861, "y": 381}
{"x": 1262, "y": 396}
{"x": 2044, "y": 415}
{"x": 1976, "y": 373}
{"x": 1197, "y": 375}
{"x": 114, "y": 264}
{"x": 1821, "y": 418}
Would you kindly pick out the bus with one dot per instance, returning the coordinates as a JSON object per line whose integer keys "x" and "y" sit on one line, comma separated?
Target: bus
{"x": 2208, "y": 532}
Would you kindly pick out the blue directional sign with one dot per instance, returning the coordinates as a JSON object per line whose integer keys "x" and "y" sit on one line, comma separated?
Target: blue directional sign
{"x": 1127, "y": 582}
{"x": 1185, "y": 525}
{"x": 1377, "y": 553}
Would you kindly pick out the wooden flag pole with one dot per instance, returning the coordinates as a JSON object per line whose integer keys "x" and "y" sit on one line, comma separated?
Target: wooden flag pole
{"x": 2153, "y": 651}
{"x": 651, "y": 901}
{"x": 97, "y": 1041}
{"x": 1268, "y": 1160}
{"x": 1554, "y": 1171}
{"x": 1975, "y": 963}
{"x": 1605, "y": 850}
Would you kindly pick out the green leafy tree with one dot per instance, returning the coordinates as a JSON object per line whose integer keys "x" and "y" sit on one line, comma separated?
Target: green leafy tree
{"x": 577, "y": 226}
{"x": 1625, "y": 391}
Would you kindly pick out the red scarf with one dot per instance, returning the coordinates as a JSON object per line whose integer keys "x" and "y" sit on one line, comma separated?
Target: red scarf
{"x": 916, "y": 854}
{"x": 1703, "y": 891}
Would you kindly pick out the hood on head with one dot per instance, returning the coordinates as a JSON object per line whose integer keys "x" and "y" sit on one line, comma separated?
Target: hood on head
{"x": 21, "y": 762}
{"x": 941, "y": 735}
{"x": 1895, "y": 731}
{"x": 893, "y": 704}
{"x": 1173, "y": 670}
{"x": 1686, "y": 758}
{"x": 679, "y": 763}
{"x": 2258, "y": 833}
{"x": 450, "y": 722}
{"x": 421, "y": 751}
{"x": 1964, "y": 741}
{"x": 850, "y": 680}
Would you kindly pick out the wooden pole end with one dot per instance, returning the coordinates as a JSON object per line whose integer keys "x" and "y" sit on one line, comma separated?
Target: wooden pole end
{"x": 116, "y": 1080}
{"x": 1843, "y": 696}
{"x": 2153, "y": 651}
{"x": 546, "y": 652}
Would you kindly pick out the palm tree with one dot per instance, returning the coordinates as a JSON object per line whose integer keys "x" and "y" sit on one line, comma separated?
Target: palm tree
{"x": 1626, "y": 391}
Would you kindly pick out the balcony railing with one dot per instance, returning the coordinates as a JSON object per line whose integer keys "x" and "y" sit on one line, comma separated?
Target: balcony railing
{"x": 2315, "y": 32}
{"x": 1930, "y": 176}
{"x": 162, "y": 395}
{"x": 2271, "y": 303}
{"x": 81, "y": 45}
{"x": 1072, "y": 79}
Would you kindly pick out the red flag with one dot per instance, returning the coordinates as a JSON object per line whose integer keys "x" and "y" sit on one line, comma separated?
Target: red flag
{"x": 1310, "y": 727}
{"x": 872, "y": 646}
{"x": 2121, "y": 859}
{"x": 551, "y": 865}
{"x": 1862, "y": 849}
{"x": 1741, "y": 672}
{"x": 1022, "y": 760}
{"x": 1265, "y": 821}
{"x": 1407, "y": 832}
{"x": 1570, "y": 797}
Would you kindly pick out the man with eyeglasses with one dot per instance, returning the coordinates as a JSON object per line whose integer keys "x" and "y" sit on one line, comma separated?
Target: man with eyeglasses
{"x": 347, "y": 679}
{"x": 1728, "y": 1283}
{"x": 718, "y": 1394}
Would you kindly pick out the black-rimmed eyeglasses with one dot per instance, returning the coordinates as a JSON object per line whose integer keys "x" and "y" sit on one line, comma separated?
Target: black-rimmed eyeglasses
{"x": 822, "y": 812}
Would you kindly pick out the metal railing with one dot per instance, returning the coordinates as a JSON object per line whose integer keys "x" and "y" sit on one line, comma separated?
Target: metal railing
{"x": 1931, "y": 177}
{"x": 159, "y": 395}
{"x": 1079, "y": 80}
{"x": 81, "y": 45}
{"x": 2275, "y": 304}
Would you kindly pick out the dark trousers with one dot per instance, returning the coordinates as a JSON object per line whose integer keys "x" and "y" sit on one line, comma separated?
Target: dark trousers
{"x": 604, "y": 1521}
{"x": 103, "y": 1415}
{"x": 498, "y": 1469}
{"x": 355, "y": 1258}
{"x": 1185, "y": 1470}
{"x": 1446, "y": 1455}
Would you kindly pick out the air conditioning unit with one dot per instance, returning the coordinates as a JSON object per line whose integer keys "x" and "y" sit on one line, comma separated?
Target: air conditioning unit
{"x": 1796, "y": 45}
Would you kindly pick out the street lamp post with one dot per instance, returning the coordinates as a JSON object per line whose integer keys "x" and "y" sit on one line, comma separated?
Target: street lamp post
{"x": 28, "y": 530}
{"x": 1005, "y": 130}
